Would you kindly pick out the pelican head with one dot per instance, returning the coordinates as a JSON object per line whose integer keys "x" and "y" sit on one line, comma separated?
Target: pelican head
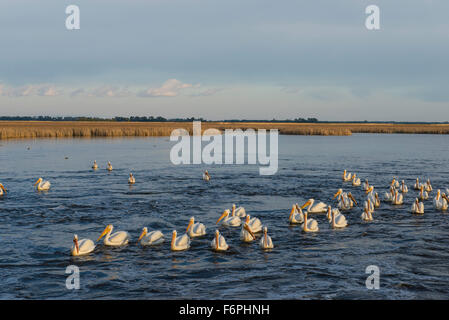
{"x": 339, "y": 192}
{"x": 38, "y": 181}
{"x": 371, "y": 188}
{"x": 247, "y": 228}
{"x": 75, "y": 241}
{"x": 352, "y": 198}
{"x": 2, "y": 187}
{"x": 308, "y": 203}
{"x": 108, "y": 229}
{"x": 329, "y": 210}
{"x": 247, "y": 219}
{"x": 173, "y": 238}
{"x": 438, "y": 194}
{"x": 292, "y": 211}
{"x": 144, "y": 233}
{"x": 191, "y": 222}
{"x": 223, "y": 215}
{"x": 217, "y": 239}
{"x": 130, "y": 174}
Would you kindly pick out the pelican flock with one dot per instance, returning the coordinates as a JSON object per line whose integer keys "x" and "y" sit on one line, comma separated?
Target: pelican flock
{"x": 253, "y": 225}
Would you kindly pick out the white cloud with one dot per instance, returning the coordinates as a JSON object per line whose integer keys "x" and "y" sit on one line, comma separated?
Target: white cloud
{"x": 170, "y": 88}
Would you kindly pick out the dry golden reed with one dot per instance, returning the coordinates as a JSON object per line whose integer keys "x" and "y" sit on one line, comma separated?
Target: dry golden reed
{"x": 88, "y": 129}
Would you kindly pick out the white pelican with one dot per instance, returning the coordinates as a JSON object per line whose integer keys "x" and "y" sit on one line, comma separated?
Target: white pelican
{"x": 309, "y": 225}
{"x": 296, "y": 215}
{"x": 398, "y": 198}
{"x": 265, "y": 240}
{"x": 180, "y": 243}
{"x": 206, "y": 176}
{"x": 195, "y": 229}
{"x": 428, "y": 186}
{"x": 370, "y": 194}
{"x": 403, "y": 188}
{"x": 417, "y": 185}
{"x": 81, "y": 247}
{"x": 346, "y": 200}
{"x": 131, "y": 179}
{"x": 440, "y": 202}
{"x": 366, "y": 185}
{"x": 331, "y": 211}
{"x": 150, "y": 238}
{"x": 347, "y": 176}
{"x": 338, "y": 220}
{"x": 318, "y": 208}
{"x": 115, "y": 239}
{"x": 246, "y": 234}
{"x": 2, "y": 190}
{"x": 395, "y": 183}
{"x": 95, "y": 166}
{"x": 376, "y": 200}
{"x": 366, "y": 215}
{"x": 239, "y": 212}
{"x": 369, "y": 205}
{"x": 423, "y": 195}
{"x": 219, "y": 242}
{"x": 229, "y": 221}
{"x": 356, "y": 181}
{"x": 418, "y": 207}
{"x": 109, "y": 167}
{"x": 254, "y": 224}
{"x": 42, "y": 185}
{"x": 389, "y": 196}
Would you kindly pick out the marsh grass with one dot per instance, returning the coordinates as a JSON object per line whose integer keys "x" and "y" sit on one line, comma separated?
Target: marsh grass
{"x": 89, "y": 129}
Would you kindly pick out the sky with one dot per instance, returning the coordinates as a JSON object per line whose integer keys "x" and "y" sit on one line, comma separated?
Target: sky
{"x": 246, "y": 59}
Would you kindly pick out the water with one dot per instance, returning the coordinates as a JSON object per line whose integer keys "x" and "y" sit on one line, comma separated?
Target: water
{"x": 36, "y": 229}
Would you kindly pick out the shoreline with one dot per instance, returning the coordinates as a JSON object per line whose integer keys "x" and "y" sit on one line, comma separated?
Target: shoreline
{"x": 92, "y": 129}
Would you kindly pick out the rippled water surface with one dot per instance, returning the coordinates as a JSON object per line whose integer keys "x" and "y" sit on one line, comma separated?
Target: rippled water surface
{"x": 36, "y": 229}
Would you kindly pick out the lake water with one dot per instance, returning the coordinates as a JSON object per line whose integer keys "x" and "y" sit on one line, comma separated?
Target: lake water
{"x": 36, "y": 229}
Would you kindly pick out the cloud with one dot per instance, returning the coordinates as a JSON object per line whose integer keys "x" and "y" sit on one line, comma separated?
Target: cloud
{"x": 44, "y": 90}
{"x": 170, "y": 88}
{"x": 48, "y": 91}
{"x": 208, "y": 92}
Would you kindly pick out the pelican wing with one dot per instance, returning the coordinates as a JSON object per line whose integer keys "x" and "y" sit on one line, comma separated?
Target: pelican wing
{"x": 119, "y": 237}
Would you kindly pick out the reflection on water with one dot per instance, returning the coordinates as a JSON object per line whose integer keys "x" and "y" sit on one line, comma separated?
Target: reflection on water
{"x": 37, "y": 228}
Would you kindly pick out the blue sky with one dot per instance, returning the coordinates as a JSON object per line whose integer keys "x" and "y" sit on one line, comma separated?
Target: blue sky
{"x": 230, "y": 59}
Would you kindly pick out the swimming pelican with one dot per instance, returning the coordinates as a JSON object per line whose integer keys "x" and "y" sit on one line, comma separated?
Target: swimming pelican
{"x": 369, "y": 205}
{"x": 346, "y": 201}
{"x": 338, "y": 220}
{"x": 370, "y": 194}
{"x": 398, "y": 198}
{"x": 296, "y": 215}
{"x": 116, "y": 239}
{"x": 219, "y": 242}
{"x": 95, "y": 166}
{"x": 265, "y": 240}
{"x": 2, "y": 190}
{"x": 423, "y": 195}
{"x": 206, "y": 176}
{"x": 418, "y": 207}
{"x": 239, "y": 212}
{"x": 180, "y": 243}
{"x": 417, "y": 185}
{"x": 229, "y": 221}
{"x": 84, "y": 246}
{"x": 254, "y": 224}
{"x": 109, "y": 167}
{"x": 331, "y": 211}
{"x": 440, "y": 202}
{"x": 131, "y": 179}
{"x": 366, "y": 185}
{"x": 403, "y": 188}
{"x": 366, "y": 215}
{"x": 347, "y": 176}
{"x": 309, "y": 225}
{"x": 395, "y": 183}
{"x": 355, "y": 181}
{"x": 150, "y": 239}
{"x": 246, "y": 234}
{"x": 195, "y": 229}
{"x": 428, "y": 186}
{"x": 376, "y": 200}
{"x": 42, "y": 185}
{"x": 318, "y": 208}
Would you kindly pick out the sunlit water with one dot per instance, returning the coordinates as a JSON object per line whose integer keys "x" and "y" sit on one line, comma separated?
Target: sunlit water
{"x": 36, "y": 229}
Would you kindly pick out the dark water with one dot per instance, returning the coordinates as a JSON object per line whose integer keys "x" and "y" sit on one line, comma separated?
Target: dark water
{"x": 36, "y": 229}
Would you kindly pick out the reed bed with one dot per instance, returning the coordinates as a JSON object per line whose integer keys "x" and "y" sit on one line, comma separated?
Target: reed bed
{"x": 89, "y": 129}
